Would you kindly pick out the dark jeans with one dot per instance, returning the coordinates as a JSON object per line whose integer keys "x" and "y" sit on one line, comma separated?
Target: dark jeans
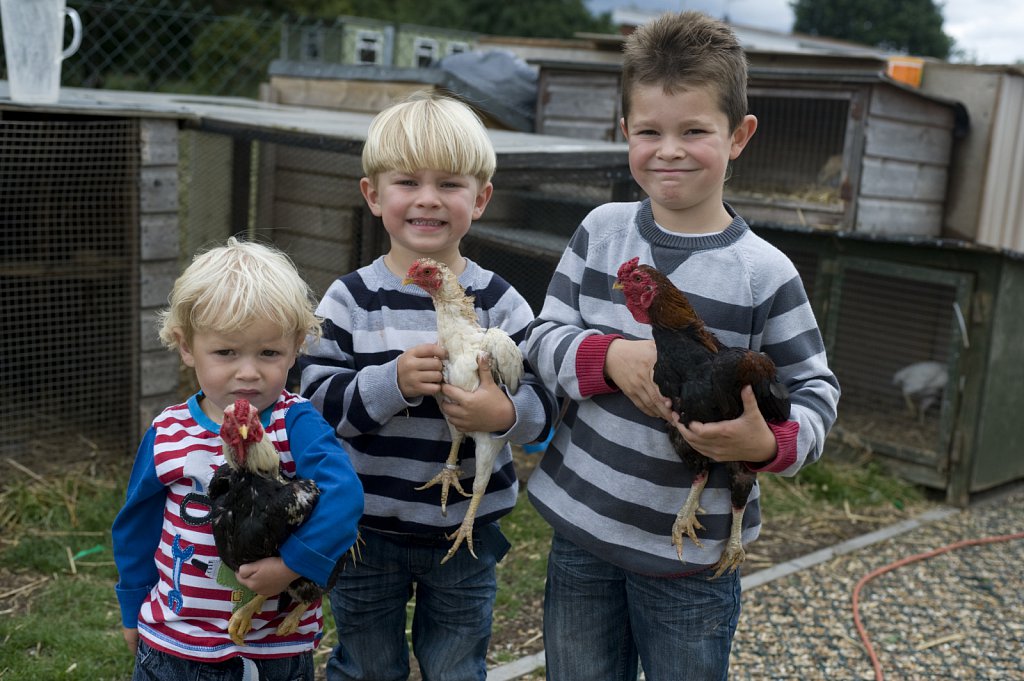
{"x": 600, "y": 619}
{"x": 154, "y": 665}
{"x": 451, "y": 626}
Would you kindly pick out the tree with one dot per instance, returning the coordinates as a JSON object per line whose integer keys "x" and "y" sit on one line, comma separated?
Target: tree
{"x": 909, "y": 26}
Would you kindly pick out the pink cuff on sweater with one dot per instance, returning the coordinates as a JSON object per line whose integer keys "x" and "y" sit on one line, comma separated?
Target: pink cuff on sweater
{"x": 590, "y": 365}
{"x": 785, "y": 456}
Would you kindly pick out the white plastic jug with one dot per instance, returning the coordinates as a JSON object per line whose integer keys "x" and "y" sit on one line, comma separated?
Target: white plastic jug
{"x": 33, "y": 44}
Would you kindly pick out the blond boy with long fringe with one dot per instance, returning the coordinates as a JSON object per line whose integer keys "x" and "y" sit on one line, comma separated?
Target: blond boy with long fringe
{"x": 428, "y": 164}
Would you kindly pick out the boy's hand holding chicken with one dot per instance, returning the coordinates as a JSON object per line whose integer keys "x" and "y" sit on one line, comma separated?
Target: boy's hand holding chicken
{"x": 747, "y": 438}
{"x": 486, "y": 409}
{"x": 420, "y": 370}
{"x": 267, "y": 576}
{"x": 630, "y": 365}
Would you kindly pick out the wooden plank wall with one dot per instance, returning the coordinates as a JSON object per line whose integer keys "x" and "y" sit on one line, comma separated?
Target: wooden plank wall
{"x": 311, "y": 203}
{"x": 908, "y": 143}
{"x": 579, "y": 104}
{"x": 157, "y": 368}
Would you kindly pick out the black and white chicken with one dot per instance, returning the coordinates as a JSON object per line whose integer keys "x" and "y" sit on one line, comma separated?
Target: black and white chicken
{"x": 254, "y": 509}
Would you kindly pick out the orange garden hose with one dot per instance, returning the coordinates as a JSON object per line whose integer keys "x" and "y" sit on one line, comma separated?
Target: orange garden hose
{"x": 905, "y": 561}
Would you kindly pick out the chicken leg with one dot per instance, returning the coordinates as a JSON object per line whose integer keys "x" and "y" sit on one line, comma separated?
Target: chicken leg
{"x": 291, "y": 621}
{"x": 241, "y": 620}
{"x": 449, "y": 475}
{"x": 686, "y": 519}
{"x": 733, "y": 554}
{"x": 486, "y": 452}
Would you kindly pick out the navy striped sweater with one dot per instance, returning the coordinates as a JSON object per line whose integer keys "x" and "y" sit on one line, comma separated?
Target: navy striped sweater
{"x": 610, "y": 481}
{"x": 395, "y": 444}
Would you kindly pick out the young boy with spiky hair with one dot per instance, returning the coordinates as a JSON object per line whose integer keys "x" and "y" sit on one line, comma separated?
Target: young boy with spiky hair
{"x": 238, "y": 316}
{"x": 610, "y": 482}
{"x": 428, "y": 163}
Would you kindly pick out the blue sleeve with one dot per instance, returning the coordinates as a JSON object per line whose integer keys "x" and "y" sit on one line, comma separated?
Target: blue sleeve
{"x": 318, "y": 544}
{"x": 136, "y": 533}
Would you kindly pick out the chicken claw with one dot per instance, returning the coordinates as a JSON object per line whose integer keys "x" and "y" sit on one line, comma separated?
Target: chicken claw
{"x": 686, "y": 520}
{"x": 448, "y": 477}
{"x": 240, "y": 623}
{"x": 465, "y": 531}
{"x": 290, "y": 624}
{"x": 733, "y": 554}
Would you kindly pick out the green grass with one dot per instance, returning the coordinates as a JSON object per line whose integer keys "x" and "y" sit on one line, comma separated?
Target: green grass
{"x": 66, "y": 624}
{"x": 521, "y": 574}
{"x": 71, "y": 631}
{"x": 837, "y": 482}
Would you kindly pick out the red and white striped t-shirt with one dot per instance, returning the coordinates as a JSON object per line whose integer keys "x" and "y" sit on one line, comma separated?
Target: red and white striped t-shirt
{"x": 187, "y": 611}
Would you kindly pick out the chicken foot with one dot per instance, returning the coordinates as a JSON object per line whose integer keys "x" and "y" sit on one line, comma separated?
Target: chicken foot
{"x": 240, "y": 623}
{"x": 733, "y": 554}
{"x": 291, "y": 621}
{"x": 465, "y": 531}
{"x": 686, "y": 520}
{"x": 449, "y": 475}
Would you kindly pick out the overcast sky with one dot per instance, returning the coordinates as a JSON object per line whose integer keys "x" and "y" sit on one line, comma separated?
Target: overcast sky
{"x": 992, "y": 31}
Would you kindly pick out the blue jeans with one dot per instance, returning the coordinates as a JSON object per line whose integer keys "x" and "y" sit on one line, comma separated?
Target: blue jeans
{"x": 600, "y": 620}
{"x": 451, "y": 625}
{"x": 154, "y": 665}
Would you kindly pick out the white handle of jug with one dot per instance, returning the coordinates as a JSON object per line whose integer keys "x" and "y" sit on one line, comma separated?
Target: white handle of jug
{"x": 76, "y": 37}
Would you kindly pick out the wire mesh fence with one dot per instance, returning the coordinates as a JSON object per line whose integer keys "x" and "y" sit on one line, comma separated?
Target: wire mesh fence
{"x": 68, "y": 222}
{"x": 171, "y": 46}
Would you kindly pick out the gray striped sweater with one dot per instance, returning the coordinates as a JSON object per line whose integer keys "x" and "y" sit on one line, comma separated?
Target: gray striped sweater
{"x": 610, "y": 481}
{"x": 395, "y": 444}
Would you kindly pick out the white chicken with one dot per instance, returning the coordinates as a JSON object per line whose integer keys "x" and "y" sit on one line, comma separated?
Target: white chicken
{"x": 922, "y": 384}
{"x": 461, "y": 335}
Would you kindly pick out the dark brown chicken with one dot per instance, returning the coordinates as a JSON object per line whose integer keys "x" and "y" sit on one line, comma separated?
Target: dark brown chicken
{"x": 703, "y": 378}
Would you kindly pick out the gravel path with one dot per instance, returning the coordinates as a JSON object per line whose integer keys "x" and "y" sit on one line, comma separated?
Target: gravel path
{"x": 957, "y": 615}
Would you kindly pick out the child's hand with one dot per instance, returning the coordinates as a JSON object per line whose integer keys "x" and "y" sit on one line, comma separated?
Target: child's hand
{"x": 747, "y": 438}
{"x": 630, "y": 365}
{"x": 485, "y": 410}
{"x": 267, "y": 577}
{"x": 419, "y": 370}
{"x": 131, "y": 637}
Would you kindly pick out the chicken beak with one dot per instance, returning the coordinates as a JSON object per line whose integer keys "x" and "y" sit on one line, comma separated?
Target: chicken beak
{"x": 244, "y": 432}
{"x": 407, "y": 281}
{"x": 617, "y": 285}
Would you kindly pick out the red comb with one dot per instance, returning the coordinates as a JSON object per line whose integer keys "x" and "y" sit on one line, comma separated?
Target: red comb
{"x": 628, "y": 266}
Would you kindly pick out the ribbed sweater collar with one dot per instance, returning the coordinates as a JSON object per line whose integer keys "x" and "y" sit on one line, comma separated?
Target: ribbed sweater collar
{"x": 650, "y": 232}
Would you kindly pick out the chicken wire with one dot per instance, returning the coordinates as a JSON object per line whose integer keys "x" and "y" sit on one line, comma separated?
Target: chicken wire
{"x": 67, "y": 244}
{"x": 797, "y": 151}
{"x": 886, "y": 322}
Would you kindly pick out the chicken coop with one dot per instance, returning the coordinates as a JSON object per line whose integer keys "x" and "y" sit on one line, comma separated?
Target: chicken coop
{"x": 947, "y": 314}
{"x": 839, "y": 145}
{"x": 88, "y": 245}
{"x": 107, "y": 195}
